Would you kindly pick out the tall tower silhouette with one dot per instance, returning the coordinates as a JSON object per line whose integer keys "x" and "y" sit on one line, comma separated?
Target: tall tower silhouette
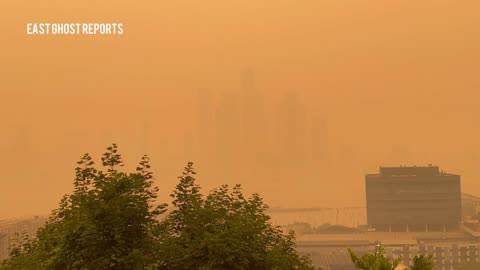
{"x": 291, "y": 129}
{"x": 203, "y": 140}
{"x": 253, "y": 119}
{"x": 228, "y": 127}
{"x": 319, "y": 142}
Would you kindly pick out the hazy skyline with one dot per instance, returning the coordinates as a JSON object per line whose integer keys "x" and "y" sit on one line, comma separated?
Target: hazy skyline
{"x": 380, "y": 84}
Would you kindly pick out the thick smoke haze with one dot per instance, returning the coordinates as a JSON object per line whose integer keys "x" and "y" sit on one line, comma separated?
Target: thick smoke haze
{"x": 295, "y": 100}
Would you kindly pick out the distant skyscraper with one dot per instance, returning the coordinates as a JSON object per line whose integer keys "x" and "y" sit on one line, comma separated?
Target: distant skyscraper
{"x": 319, "y": 142}
{"x": 228, "y": 129}
{"x": 253, "y": 118}
{"x": 291, "y": 128}
{"x": 203, "y": 140}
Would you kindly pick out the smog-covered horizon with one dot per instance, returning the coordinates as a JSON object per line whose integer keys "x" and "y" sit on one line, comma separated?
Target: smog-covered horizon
{"x": 295, "y": 101}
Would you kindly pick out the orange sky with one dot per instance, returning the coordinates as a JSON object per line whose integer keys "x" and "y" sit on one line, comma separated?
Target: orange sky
{"x": 392, "y": 82}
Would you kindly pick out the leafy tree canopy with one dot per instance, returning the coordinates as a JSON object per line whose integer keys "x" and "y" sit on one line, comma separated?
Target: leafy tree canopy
{"x": 225, "y": 230}
{"x": 423, "y": 262}
{"x": 110, "y": 222}
{"x": 375, "y": 261}
{"x": 379, "y": 261}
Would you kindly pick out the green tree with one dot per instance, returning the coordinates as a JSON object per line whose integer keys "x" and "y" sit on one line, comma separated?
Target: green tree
{"x": 422, "y": 262}
{"x": 375, "y": 261}
{"x": 110, "y": 222}
{"x": 106, "y": 223}
{"x": 225, "y": 230}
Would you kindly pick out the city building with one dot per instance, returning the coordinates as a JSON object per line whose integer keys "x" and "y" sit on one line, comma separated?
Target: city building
{"x": 413, "y": 199}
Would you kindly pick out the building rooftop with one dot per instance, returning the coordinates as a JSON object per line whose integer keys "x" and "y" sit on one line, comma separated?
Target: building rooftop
{"x": 386, "y": 238}
{"x": 407, "y": 171}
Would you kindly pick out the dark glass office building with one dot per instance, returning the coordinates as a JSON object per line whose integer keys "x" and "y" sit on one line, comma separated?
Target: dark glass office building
{"x": 413, "y": 199}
